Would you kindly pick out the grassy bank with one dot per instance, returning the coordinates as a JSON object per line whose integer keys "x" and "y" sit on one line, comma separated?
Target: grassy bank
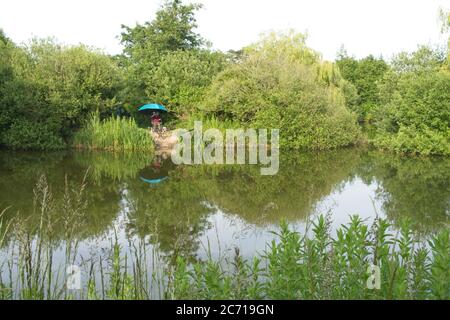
{"x": 114, "y": 134}
{"x": 310, "y": 265}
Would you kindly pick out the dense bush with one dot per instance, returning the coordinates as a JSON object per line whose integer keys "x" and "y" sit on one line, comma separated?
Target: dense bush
{"x": 415, "y": 113}
{"x": 26, "y": 134}
{"x": 281, "y": 83}
{"x": 49, "y": 91}
{"x": 364, "y": 74}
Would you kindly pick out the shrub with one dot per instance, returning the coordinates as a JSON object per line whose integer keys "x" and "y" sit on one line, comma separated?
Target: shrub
{"x": 415, "y": 115}
{"x": 410, "y": 140}
{"x": 25, "y": 134}
{"x": 47, "y": 91}
{"x": 364, "y": 75}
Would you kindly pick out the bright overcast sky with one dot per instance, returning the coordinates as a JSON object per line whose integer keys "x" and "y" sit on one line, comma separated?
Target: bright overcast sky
{"x": 363, "y": 26}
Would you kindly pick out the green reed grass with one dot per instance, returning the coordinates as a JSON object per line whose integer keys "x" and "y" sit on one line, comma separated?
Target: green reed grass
{"x": 114, "y": 134}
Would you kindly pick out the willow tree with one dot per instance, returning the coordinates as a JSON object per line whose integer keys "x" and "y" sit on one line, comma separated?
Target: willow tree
{"x": 281, "y": 83}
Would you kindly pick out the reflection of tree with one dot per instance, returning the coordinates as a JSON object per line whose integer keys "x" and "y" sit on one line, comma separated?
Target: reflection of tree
{"x": 418, "y": 188}
{"x": 302, "y": 181}
{"x": 112, "y": 166}
{"x": 20, "y": 172}
{"x": 175, "y": 211}
{"x": 172, "y": 212}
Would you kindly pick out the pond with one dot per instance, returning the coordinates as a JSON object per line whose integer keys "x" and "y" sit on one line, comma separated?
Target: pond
{"x": 195, "y": 211}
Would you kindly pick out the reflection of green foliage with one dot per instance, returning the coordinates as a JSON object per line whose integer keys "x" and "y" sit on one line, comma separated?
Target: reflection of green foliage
{"x": 19, "y": 173}
{"x": 301, "y": 182}
{"x": 174, "y": 212}
{"x": 411, "y": 187}
{"x": 22, "y": 170}
{"x": 115, "y": 166}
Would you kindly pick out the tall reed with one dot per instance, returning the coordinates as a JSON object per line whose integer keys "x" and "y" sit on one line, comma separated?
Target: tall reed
{"x": 114, "y": 134}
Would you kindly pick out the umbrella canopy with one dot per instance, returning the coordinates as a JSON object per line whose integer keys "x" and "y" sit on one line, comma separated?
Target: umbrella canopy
{"x": 153, "y": 106}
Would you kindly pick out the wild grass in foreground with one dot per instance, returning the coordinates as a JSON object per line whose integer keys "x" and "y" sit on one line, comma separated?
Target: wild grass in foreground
{"x": 295, "y": 266}
{"x": 115, "y": 134}
{"x": 313, "y": 265}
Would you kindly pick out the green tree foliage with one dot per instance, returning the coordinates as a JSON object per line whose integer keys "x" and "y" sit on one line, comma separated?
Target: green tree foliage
{"x": 182, "y": 78}
{"x": 281, "y": 83}
{"x": 171, "y": 30}
{"x": 166, "y": 60}
{"x": 47, "y": 90}
{"x": 50, "y": 90}
{"x": 6, "y": 76}
{"x": 444, "y": 17}
{"x": 415, "y": 112}
{"x": 364, "y": 74}
{"x": 422, "y": 61}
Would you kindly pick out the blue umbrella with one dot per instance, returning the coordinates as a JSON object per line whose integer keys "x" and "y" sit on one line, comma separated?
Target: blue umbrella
{"x": 153, "y": 106}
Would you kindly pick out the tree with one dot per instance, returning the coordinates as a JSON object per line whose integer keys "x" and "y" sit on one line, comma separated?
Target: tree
{"x": 182, "y": 78}
{"x": 423, "y": 60}
{"x": 444, "y": 18}
{"x": 415, "y": 114}
{"x": 364, "y": 74}
{"x": 171, "y": 30}
{"x": 146, "y": 45}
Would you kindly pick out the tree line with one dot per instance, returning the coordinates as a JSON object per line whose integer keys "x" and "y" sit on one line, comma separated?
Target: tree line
{"x": 49, "y": 90}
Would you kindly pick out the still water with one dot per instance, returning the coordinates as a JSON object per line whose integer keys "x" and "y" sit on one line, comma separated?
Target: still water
{"x": 195, "y": 210}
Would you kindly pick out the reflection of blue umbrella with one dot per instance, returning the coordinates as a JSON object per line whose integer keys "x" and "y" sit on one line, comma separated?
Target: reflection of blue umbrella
{"x": 153, "y": 181}
{"x": 153, "y": 106}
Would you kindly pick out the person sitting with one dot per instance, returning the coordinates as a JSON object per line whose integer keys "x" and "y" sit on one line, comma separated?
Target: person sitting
{"x": 156, "y": 121}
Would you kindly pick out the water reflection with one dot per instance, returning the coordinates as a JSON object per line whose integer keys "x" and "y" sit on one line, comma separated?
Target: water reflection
{"x": 175, "y": 207}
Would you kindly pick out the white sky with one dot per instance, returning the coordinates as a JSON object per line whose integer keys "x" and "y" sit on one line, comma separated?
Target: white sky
{"x": 363, "y": 26}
